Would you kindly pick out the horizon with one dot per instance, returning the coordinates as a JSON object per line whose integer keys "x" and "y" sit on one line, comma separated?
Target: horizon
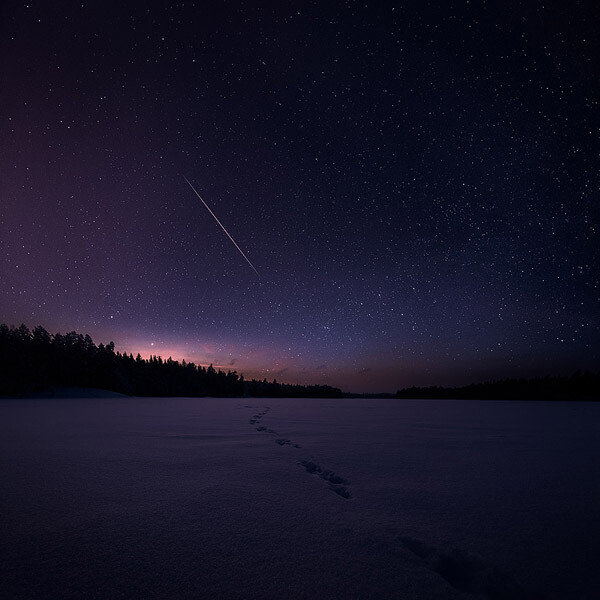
{"x": 259, "y": 376}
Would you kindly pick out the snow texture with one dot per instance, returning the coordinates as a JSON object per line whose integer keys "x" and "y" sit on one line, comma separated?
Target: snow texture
{"x": 299, "y": 498}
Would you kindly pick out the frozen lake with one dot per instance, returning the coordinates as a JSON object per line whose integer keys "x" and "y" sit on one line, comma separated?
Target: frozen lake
{"x": 299, "y": 498}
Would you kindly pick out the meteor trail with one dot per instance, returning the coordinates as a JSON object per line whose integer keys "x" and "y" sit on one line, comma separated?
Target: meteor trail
{"x": 221, "y": 224}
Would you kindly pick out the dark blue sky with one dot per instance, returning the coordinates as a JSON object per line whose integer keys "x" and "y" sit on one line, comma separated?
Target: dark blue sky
{"x": 416, "y": 183}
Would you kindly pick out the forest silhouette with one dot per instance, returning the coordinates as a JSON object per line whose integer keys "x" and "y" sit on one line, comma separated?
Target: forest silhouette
{"x": 35, "y": 360}
{"x": 579, "y": 386}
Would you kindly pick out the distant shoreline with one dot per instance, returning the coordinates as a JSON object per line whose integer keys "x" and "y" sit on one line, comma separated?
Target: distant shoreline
{"x": 582, "y": 386}
{"x": 65, "y": 393}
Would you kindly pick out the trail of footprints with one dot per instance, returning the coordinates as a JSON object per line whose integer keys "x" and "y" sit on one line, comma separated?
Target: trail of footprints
{"x": 255, "y": 420}
{"x": 336, "y": 483}
{"x": 464, "y": 572}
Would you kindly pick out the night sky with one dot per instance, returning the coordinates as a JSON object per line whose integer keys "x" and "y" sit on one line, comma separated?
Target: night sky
{"x": 416, "y": 183}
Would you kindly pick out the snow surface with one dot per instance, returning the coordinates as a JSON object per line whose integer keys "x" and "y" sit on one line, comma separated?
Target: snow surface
{"x": 299, "y": 498}
{"x": 72, "y": 392}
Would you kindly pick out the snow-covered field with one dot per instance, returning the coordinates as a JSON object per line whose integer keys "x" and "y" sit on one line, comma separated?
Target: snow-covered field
{"x": 280, "y": 498}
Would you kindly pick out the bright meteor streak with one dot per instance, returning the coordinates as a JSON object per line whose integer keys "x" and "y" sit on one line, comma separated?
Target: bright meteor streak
{"x": 221, "y": 224}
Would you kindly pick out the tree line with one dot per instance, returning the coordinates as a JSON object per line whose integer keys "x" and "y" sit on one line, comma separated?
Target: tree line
{"x": 579, "y": 386}
{"x": 35, "y": 360}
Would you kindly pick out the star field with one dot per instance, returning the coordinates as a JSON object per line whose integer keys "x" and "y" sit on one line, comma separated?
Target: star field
{"x": 416, "y": 183}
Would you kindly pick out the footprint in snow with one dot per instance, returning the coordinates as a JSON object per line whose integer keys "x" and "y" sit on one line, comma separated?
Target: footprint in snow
{"x": 337, "y": 484}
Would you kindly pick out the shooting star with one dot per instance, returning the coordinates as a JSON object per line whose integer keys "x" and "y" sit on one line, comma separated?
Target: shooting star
{"x": 221, "y": 224}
